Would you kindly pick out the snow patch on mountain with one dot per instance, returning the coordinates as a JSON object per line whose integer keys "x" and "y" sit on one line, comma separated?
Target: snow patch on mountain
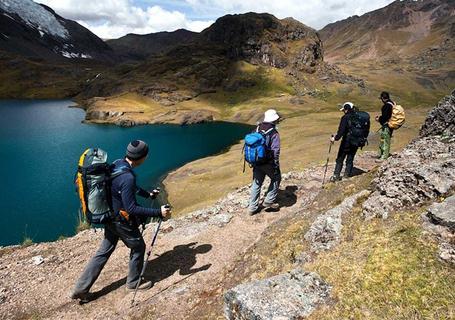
{"x": 35, "y": 16}
{"x": 72, "y": 55}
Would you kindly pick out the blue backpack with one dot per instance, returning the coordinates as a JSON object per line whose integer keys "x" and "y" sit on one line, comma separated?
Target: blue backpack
{"x": 255, "y": 148}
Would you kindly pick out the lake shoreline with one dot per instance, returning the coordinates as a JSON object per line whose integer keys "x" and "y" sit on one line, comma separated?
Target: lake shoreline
{"x": 40, "y": 127}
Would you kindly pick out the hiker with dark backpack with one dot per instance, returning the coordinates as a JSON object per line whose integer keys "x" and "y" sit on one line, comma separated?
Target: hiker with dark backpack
{"x": 392, "y": 117}
{"x": 262, "y": 152}
{"x": 124, "y": 222}
{"x": 353, "y": 132}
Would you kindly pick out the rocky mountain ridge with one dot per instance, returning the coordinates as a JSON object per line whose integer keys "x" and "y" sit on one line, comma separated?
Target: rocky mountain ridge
{"x": 401, "y": 28}
{"x": 263, "y": 39}
{"x": 211, "y": 64}
{"x": 138, "y": 47}
{"x": 32, "y": 30}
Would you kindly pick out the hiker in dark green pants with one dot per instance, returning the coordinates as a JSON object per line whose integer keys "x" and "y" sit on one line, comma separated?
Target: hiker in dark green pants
{"x": 384, "y": 146}
{"x": 385, "y": 131}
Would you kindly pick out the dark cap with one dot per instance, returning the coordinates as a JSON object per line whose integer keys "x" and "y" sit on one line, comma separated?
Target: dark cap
{"x": 137, "y": 149}
{"x": 384, "y": 95}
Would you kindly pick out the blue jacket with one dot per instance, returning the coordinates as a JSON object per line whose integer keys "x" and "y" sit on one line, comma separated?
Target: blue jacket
{"x": 124, "y": 192}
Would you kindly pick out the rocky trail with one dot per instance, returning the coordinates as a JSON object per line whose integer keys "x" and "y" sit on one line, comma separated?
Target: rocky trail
{"x": 190, "y": 256}
{"x": 195, "y": 255}
{"x": 203, "y": 265}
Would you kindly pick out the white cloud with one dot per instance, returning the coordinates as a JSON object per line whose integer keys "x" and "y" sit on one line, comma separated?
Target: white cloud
{"x": 115, "y": 18}
{"x": 315, "y": 13}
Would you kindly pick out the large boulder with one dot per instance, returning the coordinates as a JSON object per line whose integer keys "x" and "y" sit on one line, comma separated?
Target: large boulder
{"x": 423, "y": 171}
{"x": 441, "y": 119}
{"x": 325, "y": 231}
{"x": 293, "y": 295}
{"x": 443, "y": 213}
{"x": 440, "y": 221}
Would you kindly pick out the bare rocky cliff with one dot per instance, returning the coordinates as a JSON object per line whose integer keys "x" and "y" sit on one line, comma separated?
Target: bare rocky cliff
{"x": 264, "y": 39}
{"x": 401, "y": 28}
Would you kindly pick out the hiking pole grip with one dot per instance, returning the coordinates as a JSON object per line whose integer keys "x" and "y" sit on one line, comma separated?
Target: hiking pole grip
{"x": 149, "y": 252}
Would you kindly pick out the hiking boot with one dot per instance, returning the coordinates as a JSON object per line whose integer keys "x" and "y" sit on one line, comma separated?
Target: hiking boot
{"x": 83, "y": 297}
{"x": 143, "y": 286}
{"x": 272, "y": 205}
{"x": 252, "y": 213}
{"x": 335, "y": 178}
{"x": 269, "y": 205}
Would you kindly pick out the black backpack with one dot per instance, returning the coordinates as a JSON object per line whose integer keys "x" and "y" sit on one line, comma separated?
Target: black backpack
{"x": 359, "y": 128}
{"x": 93, "y": 185}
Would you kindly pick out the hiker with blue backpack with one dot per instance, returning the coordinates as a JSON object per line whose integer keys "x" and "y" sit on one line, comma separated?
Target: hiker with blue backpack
{"x": 262, "y": 152}
{"x": 126, "y": 217}
{"x": 353, "y": 131}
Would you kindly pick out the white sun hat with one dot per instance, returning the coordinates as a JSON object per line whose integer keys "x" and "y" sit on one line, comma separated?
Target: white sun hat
{"x": 347, "y": 106}
{"x": 271, "y": 115}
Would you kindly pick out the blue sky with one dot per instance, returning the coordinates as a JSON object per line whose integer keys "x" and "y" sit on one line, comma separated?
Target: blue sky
{"x": 115, "y": 18}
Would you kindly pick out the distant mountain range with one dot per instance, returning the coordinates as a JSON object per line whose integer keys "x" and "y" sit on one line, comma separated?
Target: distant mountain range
{"x": 139, "y": 47}
{"x": 402, "y": 28}
{"x": 251, "y": 55}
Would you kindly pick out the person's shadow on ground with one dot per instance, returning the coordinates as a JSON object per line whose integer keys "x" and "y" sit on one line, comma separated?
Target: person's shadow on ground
{"x": 357, "y": 172}
{"x": 285, "y": 198}
{"x": 182, "y": 258}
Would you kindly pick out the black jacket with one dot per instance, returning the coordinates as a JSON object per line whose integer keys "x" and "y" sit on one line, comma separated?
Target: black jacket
{"x": 124, "y": 192}
{"x": 386, "y": 113}
{"x": 343, "y": 127}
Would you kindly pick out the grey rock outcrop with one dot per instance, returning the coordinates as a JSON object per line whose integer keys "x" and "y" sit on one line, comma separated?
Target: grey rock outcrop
{"x": 293, "y": 295}
{"x": 441, "y": 119}
{"x": 325, "y": 231}
{"x": 443, "y": 213}
{"x": 440, "y": 221}
{"x": 424, "y": 170}
{"x": 264, "y": 39}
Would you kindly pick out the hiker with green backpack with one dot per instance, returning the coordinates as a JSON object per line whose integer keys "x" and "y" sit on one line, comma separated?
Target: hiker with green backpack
{"x": 392, "y": 118}
{"x": 122, "y": 218}
{"x": 353, "y": 131}
{"x": 262, "y": 152}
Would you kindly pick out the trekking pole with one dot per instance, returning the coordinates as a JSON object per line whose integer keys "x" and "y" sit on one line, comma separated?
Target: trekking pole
{"x": 149, "y": 252}
{"x": 152, "y": 202}
{"x": 327, "y": 162}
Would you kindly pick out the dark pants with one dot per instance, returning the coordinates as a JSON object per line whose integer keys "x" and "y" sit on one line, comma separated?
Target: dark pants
{"x": 113, "y": 231}
{"x": 346, "y": 151}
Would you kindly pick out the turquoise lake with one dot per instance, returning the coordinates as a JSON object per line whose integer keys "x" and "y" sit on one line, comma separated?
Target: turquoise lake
{"x": 40, "y": 144}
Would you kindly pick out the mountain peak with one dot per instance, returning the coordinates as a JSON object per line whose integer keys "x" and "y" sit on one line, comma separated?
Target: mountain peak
{"x": 262, "y": 38}
{"x": 402, "y": 27}
{"x": 35, "y": 31}
{"x": 35, "y": 16}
